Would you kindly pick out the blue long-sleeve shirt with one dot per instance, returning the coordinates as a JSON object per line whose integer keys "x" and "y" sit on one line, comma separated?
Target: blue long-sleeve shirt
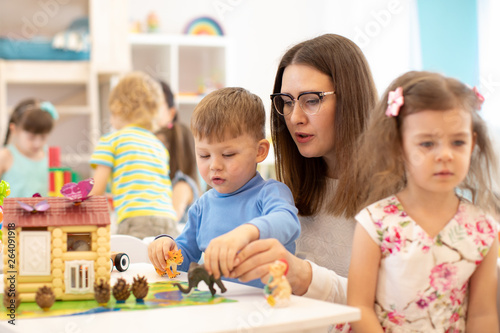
{"x": 267, "y": 204}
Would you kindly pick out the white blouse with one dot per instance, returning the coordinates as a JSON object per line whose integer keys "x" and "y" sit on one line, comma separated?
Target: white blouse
{"x": 326, "y": 242}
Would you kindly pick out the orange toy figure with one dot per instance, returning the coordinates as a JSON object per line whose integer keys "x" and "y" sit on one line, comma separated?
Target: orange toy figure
{"x": 278, "y": 290}
{"x": 174, "y": 258}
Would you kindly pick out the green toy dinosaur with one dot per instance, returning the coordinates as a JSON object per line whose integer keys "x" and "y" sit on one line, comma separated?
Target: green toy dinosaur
{"x": 197, "y": 273}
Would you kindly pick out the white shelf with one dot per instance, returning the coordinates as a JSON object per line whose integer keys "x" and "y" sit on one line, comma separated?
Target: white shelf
{"x": 191, "y": 100}
{"x": 73, "y": 86}
{"x": 45, "y": 72}
{"x": 72, "y": 110}
{"x": 188, "y": 63}
{"x": 181, "y": 40}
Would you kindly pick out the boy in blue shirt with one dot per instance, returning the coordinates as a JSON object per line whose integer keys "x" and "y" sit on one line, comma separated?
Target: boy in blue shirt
{"x": 229, "y": 131}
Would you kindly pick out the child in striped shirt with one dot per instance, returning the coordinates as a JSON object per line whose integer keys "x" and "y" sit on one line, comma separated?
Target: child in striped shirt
{"x": 136, "y": 160}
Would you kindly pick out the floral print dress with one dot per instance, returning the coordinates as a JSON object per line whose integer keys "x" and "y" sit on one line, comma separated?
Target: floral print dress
{"x": 422, "y": 281}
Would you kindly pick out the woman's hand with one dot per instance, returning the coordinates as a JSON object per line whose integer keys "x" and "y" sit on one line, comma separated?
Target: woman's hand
{"x": 253, "y": 262}
{"x": 158, "y": 251}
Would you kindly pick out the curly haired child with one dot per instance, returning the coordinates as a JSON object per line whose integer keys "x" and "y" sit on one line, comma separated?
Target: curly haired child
{"x": 424, "y": 256}
{"x": 136, "y": 160}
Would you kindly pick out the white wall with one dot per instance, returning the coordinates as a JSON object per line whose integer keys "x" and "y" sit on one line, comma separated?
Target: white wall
{"x": 260, "y": 31}
{"x": 489, "y": 64}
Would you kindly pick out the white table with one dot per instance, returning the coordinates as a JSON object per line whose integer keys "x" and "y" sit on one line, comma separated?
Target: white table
{"x": 250, "y": 314}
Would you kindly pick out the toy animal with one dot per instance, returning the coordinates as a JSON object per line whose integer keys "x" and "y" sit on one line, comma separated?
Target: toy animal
{"x": 197, "y": 273}
{"x": 278, "y": 288}
{"x": 174, "y": 258}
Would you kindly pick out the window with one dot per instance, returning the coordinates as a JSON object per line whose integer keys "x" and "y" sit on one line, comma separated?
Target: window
{"x": 79, "y": 276}
{"x": 79, "y": 241}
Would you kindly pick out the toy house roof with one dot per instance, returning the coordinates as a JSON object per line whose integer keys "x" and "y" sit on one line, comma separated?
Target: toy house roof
{"x": 62, "y": 212}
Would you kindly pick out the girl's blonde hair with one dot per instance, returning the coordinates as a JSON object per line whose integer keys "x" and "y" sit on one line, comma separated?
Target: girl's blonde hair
{"x": 343, "y": 61}
{"x": 136, "y": 99}
{"x": 380, "y": 161}
{"x": 29, "y": 116}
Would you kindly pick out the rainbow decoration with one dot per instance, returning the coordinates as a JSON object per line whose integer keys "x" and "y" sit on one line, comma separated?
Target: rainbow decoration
{"x": 204, "y": 26}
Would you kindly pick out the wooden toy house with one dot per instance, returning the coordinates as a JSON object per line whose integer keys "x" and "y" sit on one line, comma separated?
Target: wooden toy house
{"x": 66, "y": 247}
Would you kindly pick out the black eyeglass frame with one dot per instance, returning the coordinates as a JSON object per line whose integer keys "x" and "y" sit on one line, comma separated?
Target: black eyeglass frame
{"x": 320, "y": 94}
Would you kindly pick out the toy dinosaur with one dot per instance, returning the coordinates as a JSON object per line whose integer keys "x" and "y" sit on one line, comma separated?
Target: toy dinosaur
{"x": 197, "y": 273}
{"x": 174, "y": 258}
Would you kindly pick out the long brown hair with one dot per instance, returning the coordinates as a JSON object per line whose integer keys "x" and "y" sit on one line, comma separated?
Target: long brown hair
{"x": 380, "y": 159}
{"x": 180, "y": 144}
{"x": 342, "y": 60}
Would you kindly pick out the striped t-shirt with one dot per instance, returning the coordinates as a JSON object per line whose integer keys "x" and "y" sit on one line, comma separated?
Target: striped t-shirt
{"x": 140, "y": 172}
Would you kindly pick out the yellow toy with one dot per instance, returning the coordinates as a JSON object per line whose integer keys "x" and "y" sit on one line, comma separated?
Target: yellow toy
{"x": 278, "y": 289}
{"x": 174, "y": 258}
{"x": 4, "y": 192}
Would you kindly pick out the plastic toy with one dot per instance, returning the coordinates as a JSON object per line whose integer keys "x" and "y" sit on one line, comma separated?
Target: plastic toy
{"x": 120, "y": 260}
{"x": 278, "y": 290}
{"x": 65, "y": 247}
{"x": 197, "y": 273}
{"x": 41, "y": 206}
{"x": 203, "y": 25}
{"x": 4, "y": 192}
{"x": 58, "y": 177}
{"x": 174, "y": 258}
{"x": 153, "y": 22}
{"x": 78, "y": 193}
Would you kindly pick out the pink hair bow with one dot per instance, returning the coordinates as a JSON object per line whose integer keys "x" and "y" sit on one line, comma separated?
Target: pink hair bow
{"x": 479, "y": 97}
{"x": 394, "y": 102}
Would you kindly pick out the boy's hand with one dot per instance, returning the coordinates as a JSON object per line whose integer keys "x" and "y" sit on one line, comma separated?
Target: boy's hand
{"x": 158, "y": 251}
{"x": 221, "y": 252}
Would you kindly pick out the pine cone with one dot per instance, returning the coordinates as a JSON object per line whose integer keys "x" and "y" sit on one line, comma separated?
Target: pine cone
{"x": 102, "y": 293}
{"x": 121, "y": 290}
{"x": 7, "y": 299}
{"x": 45, "y": 297}
{"x": 140, "y": 287}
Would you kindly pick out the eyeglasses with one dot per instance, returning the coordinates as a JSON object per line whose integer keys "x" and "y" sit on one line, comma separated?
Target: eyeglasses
{"x": 309, "y": 102}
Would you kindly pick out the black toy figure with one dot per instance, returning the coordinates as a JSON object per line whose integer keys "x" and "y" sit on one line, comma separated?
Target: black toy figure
{"x": 197, "y": 273}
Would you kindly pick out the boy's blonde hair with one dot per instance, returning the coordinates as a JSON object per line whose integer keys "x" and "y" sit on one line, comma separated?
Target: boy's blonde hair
{"x": 136, "y": 99}
{"x": 228, "y": 113}
{"x": 380, "y": 162}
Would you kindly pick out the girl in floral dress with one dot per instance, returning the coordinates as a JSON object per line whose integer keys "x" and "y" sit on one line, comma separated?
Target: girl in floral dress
{"x": 424, "y": 258}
